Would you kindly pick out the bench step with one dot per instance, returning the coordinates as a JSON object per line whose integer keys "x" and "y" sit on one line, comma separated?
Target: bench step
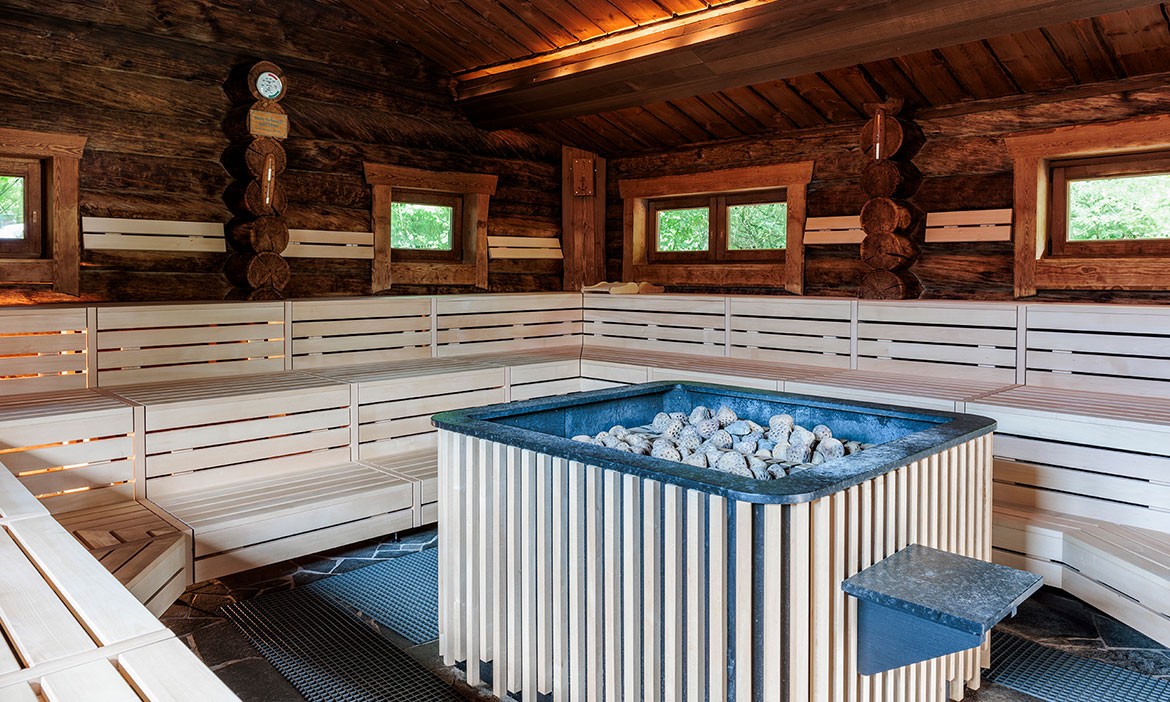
{"x": 922, "y": 603}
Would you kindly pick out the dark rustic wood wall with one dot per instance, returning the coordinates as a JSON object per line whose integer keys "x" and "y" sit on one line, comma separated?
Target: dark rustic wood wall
{"x": 142, "y": 79}
{"x": 966, "y": 166}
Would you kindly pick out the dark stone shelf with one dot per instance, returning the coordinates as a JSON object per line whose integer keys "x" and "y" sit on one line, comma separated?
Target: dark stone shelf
{"x": 921, "y": 603}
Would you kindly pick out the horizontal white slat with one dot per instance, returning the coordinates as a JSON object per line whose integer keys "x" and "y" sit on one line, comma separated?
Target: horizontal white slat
{"x": 317, "y": 243}
{"x": 159, "y": 227}
{"x": 124, "y": 242}
{"x": 969, "y": 218}
{"x": 524, "y": 242}
{"x": 966, "y": 225}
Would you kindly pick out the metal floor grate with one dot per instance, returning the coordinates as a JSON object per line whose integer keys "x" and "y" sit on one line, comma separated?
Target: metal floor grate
{"x": 1056, "y": 676}
{"x": 331, "y": 656}
{"x": 401, "y": 593}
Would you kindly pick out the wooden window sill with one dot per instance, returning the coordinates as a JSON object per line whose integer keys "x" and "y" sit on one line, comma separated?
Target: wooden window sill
{"x": 433, "y": 273}
{"x": 724, "y": 274}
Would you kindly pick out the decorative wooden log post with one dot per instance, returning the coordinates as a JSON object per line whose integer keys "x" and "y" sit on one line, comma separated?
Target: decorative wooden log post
{"x": 894, "y": 228}
{"x": 257, "y": 235}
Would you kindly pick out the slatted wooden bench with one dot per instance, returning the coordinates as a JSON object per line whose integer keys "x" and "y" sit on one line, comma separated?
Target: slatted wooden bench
{"x": 74, "y": 451}
{"x": 71, "y": 631}
{"x": 1086, "y": 436}
{"x": 938, "y": 355}
{"x": 259, "y": 467}
{"x": 393, "y": 404}
{"x": 43, "y": 349}
{"x": 741, "y": 341}
{"x": 332, "y": 333}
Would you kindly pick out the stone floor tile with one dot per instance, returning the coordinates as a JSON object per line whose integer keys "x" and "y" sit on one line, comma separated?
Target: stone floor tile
{"x": 222, "y": 643}
{"x": 990, "y": 692}
{"x": 1118, "y": 635}
{"x": 255, "y": 680}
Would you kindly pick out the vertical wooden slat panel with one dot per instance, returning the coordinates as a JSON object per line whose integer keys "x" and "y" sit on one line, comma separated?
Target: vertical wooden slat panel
{"x": 561, "y": 566}
{"x": 651, "y": 590}
{"x": 577, "y": 605}
{"x": 471, "y": 543}
{"x": 500, "y": 489}
{"x": 445, "y": 620}
{"x": 544, "y": 579}
{"x": 717, "y": 597}
{"x": 696, "y": 587}
{"x": 528, "y": 558}
{"x": 632, "y": 587}
{"x": 878, "y": 534}
{"x": 837, "y": 543}
{"x": 775, "y": 550}
{"x": 865, "y": 538}
{"x": 613, "y": 587}
{"x": 744, "y": 587}
{"x": 798, "y": 601}
{"x": 673, "y": 607}
{"x": 515, "y": 569}
{"x": 852, "y": 567}
{"x": 594, "y": 567}
{"x": 821, "y": 595}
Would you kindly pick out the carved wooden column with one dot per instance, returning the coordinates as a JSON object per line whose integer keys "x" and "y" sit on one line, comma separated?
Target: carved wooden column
{"x": 894, "y": 227}
{"x": 257, "y": 234}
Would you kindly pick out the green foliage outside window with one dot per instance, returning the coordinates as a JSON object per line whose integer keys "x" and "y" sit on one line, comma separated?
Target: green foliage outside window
{"x": 11, "y": 207}
{"x": 425, "y": 227}
{"x": 763, "y": 226}
{"x": 1125, "y": 208}
{"x": 683, "y": 229}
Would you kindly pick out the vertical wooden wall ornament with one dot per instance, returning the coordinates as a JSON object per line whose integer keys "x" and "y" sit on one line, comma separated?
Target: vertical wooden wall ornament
{"x": 257, "y": 234}
{"x": 583, "y": 217}
{"x": 894, "y": 227}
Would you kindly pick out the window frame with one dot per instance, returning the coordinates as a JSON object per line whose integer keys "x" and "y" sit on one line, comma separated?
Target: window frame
{"x": 32, "y": 245}
{"x": 1061, "y": 172}
{"x": 430, "y": 197}
{"x": 475, "y": 189}
{"x": 718, "y": 227}
{"x": 765, "y": 268}
{"x": 1036, "y": 268}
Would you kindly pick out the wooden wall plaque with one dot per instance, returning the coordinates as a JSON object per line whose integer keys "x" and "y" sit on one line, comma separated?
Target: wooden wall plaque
{"x": 267, "y": 124}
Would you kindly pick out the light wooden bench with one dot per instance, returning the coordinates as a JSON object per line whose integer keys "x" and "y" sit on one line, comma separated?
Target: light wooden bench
{"x": 938, "y": 355}
{"x": 331, "y": 333}
{"x": 150, "y": 343}
{"x": 74, "y": 451}
{"x": 393, "y": 405}
{"x": 71, "y": 631}
{"x": 43, "y": 349}
{"x": 259, "y": 468}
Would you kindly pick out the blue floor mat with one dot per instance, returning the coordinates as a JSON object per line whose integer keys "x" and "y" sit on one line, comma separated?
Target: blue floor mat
{"x": 401, "y": 593}
{"x": 1053, "y": 675}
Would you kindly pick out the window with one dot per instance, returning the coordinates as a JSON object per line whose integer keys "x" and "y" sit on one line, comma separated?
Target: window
{"x": 1090, "y": 202}
{"x": 734, "y": 227}
{"x": 719, "y": 228}
{"x": 20, "y": 208}
{"x": 1113, "y": 205}
{"x": 430, "y": 227}
{"x": 426, "y": 226}
{"x": 40, "y": 243}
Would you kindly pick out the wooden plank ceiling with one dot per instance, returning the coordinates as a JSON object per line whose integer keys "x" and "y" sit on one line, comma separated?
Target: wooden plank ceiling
{"x": 468, "y": 37}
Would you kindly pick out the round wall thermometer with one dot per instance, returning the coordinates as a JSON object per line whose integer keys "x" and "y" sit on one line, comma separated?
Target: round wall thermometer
{"x": 266, "y": 81}
{"x": 269, "y": 85}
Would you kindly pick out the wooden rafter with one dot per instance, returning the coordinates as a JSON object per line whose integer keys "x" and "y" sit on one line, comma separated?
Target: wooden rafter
{"x": 740, "y": 44}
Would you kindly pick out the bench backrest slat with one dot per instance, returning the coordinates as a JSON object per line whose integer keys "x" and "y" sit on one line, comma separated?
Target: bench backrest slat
{"x": 811, "y": 332}
{"x": 506, "y": 323}
{"x": 42, "y": 350}
{"x": 1099, "y": 348}
{"x": 967, "y": 340}
{"x": 670, "y": 323}
{"x": 144, "y": 344}
{"x": 331, "y": 333}
{"x": 72, "y": 449}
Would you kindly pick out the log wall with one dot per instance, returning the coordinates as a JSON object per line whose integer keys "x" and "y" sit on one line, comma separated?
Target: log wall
{"x": 965, "y": 163}
{"x": 142, "y": 79}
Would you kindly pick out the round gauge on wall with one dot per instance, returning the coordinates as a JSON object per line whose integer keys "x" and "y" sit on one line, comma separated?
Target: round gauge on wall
{"x": 266, "y": 81}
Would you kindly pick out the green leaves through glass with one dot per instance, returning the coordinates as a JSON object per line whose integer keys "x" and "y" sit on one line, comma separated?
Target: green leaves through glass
{"x": 683, "y": 229}
{"x": 762, "y": 226}
{"x": 1125, "y": 208}
{"x": 421, "y": 226}
{"x": 12, "y": 207}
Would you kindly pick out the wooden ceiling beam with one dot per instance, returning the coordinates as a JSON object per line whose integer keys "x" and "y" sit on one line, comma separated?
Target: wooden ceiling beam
{"x": 740, "y": 44}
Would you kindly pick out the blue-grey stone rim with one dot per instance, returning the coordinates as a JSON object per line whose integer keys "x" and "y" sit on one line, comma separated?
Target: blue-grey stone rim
{"x": 948, "y": 429}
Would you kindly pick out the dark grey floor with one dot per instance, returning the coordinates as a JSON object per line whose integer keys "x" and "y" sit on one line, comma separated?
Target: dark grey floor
{"x": 1050, "y": 617}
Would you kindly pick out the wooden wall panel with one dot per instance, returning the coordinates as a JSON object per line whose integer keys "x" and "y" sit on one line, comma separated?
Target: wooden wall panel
{"x": 966, "y": 165}
{"x": 144, "y": 84}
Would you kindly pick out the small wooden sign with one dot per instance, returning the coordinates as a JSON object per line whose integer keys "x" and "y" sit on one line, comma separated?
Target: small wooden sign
{"x": 582, "y": 176}
{"x": 267, "y": 124}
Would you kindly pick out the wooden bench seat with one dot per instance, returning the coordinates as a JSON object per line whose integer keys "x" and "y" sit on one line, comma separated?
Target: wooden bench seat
{"x": 74, "y": 451}
{"x": 259, "y": 467}
{"x": 606, "y": 367}
{"x": 537, "y": 373}
{"x": 421, "y": 468}
{"x": 1122, "y": 570}
{"x": 950, "y": 394}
